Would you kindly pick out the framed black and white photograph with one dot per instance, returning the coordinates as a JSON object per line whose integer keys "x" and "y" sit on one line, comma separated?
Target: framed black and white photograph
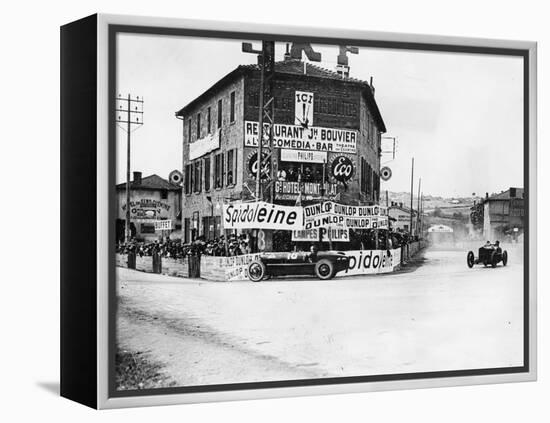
{"x": 277, "y": 211}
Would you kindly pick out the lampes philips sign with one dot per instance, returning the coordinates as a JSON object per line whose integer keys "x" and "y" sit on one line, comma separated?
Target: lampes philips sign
{"x": 296, "y": 137}
{"x": 261, "y": 215}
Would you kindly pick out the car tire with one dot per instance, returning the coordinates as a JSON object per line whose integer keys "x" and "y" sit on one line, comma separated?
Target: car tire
{"x": 470, "y": 259}
{"x": 257, "y": 271}
{"x": 504, "y": 258}
{"x": 494, "y": 259}
{"x": 324, "y": 269}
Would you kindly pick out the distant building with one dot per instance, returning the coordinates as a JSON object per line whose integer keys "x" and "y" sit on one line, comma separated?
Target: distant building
{"x": 400, "y": 217}
{"x": 151, "y": 199}
{"x": 503, "y": 214}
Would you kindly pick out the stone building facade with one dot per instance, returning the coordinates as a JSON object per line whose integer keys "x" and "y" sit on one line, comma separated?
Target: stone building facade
{"x": 341, "y": 161}
{"x": 152, "y": 198}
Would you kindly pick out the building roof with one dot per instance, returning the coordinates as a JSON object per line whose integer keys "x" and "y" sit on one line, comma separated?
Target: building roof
{"x": 152, "y": 182}
{"x": 292, "y": 67}
{"x": 505, "y": 195}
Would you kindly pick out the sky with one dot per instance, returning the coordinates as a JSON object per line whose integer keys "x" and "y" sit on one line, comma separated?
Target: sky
{"x": 459, "y": 115}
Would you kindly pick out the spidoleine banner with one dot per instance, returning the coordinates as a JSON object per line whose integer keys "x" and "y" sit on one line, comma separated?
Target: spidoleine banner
{"x": 262, "y": 215}
{"x": 362, "y": 262}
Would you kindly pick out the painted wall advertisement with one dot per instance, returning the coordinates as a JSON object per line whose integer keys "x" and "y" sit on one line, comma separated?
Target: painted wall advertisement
{"x": 146, "y": 209}
{"x": 309, "y": 190}
{"x": 297, "y": 137}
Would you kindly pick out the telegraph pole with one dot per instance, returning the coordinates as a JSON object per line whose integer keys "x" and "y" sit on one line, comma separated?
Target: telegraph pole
{"x": 266, "y": 62}
{"x": 418, "y": 206}
{"x": 412, "y": 188}
{"x": 125, "y": 115}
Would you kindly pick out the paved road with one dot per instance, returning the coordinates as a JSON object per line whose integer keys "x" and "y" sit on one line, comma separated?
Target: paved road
{"x": 442, "y": 316}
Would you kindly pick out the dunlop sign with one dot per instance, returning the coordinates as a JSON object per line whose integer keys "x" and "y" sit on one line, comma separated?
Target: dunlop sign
{"x": 299, "y": 138}
{"x": 329, "y": 213}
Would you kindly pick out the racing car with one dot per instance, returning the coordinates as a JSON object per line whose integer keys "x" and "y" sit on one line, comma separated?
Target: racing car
{"x": 323, "y": 264}
{"x": 489, "y": 254}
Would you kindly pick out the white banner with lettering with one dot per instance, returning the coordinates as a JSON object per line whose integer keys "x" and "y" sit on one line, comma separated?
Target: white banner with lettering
{"x": 262, "y": 215}
{"x": 330, "y": 213}
{"x": 297, "y": 137}
{"x": 313, "y": 235}
{"x": 362, "y": 262}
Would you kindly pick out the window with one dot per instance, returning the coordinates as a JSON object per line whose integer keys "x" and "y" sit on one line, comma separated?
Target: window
{"x": 198, "y": 176}
{"x": 220, "y": 113}
{"x": 189, "y": 130}
{"x": 198, "y": 126}
{"x": 218, "y": 170}
{"x": 188, "y": 179}
{"x": 207, "y": 174}
{"x": 232, "y": 109}
{"x": 208, "y": 120}
{"x": 164, "y": 194}
{"x": 231, "y": 168}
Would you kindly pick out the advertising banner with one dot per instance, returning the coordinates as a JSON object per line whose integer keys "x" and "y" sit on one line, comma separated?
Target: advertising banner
{"x": 205, "y": 145}
{"x": 371, "y": 262}
{"x": 334, "y": 214}
{"x": 362, "y": 262}
{"x": 236, "y": 267}
{"x": 300, "y": 138}
{"x": 261, "y": 215}
{"x": 310, "y": 190}
{"x": 313, "y": 235}
{"x": 303, "y": 156}
{"x": 163, "y": 225}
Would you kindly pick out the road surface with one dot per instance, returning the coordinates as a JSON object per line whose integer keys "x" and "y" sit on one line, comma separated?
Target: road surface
{"x": 442, "y": 316}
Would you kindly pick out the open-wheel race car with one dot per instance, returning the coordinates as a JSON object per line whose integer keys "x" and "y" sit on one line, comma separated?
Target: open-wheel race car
{"x": 489, "y": 254}
{"x": 323, "y": 264}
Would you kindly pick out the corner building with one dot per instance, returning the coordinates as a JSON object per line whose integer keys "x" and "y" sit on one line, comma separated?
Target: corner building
{"x": 327, "y": 131}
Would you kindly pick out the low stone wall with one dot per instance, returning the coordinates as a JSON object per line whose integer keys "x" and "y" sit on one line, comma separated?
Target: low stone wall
{"x": 410, "y": 250}
{"x": 171, "y": 267}
{"x": 226, "y": 269}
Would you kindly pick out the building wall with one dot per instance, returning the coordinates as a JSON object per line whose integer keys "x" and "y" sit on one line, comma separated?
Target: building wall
{"x": 500, "y": 214}
{"x": 231, "y": 138}
{"x": 338, "y": 104}
{"x": 402, "y": 219}
{"x": 146, "y": 206}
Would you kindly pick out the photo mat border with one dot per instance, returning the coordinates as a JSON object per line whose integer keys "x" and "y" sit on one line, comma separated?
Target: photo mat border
{"x": 172, "y": 27}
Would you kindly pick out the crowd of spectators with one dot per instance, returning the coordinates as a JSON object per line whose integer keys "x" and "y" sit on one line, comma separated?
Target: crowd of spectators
{"x": 236, "y": 245}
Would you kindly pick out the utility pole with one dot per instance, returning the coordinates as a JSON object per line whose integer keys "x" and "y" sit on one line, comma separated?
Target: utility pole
{"x": 129, "y": 111}
{"x": 418, "y": 206}
{"x": 412, "y": 189}
{"x": 266, "y": 63}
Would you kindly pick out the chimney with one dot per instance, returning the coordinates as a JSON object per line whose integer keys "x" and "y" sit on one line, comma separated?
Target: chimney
{"x": 512, "y": 192}
{"x": 486, "y": 195}
{"x": 287, "y": 53}
{"x": 137, "y": 178}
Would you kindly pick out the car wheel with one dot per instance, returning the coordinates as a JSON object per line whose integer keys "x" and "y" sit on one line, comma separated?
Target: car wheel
{"x": 256, "y": 271}
{"x": 470, "y": 259}
{"x": 324, "y": 269}
{"x": 494, "y": 259}
{"x": 504, "y": 258}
